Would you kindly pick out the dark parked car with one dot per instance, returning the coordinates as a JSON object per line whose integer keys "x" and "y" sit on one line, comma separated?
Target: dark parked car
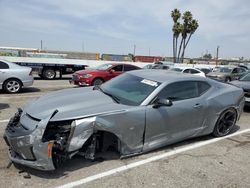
{"x": 101, "y": 74}
{"x": 131, "y": 114}
{"x": 244, "y": 83}
{"x": 227, "y": 74}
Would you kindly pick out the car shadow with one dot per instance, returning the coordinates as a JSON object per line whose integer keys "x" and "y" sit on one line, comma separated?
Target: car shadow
{"x": 247, "y": 109}
{"x": 30, "y": 90}
{"x": 63, "y": 78}
{"x": 4, "y": 106}
{"x": 23, "y": 90}
{"x": 78, "y": 162}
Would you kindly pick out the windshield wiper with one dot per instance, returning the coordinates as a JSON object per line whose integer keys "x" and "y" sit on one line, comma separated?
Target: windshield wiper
{"x": 116, "y": 99}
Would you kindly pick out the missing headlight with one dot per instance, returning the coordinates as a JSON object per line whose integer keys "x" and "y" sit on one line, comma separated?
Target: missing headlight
{"x": 59, "y": 133}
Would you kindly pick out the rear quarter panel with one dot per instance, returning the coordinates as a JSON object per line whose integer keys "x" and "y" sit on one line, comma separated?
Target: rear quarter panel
{"x": 221, "y": 97}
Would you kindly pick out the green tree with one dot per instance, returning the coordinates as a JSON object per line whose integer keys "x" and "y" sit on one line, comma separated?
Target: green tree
{"x": 207, "y": 56}
{"x": 186, "y": 29}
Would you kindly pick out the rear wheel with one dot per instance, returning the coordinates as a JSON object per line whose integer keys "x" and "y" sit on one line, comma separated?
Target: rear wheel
{"x": 225, "y": 123}
{"x": 97, "y": 81}
{"x": 12, "y": 85}
{"x": 49, "y": 74}
{"x": 227, "y": 79}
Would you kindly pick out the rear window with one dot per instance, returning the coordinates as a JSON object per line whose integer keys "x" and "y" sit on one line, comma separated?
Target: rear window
{"x": 3, "y": 65}
{"x": 203, "y": 87}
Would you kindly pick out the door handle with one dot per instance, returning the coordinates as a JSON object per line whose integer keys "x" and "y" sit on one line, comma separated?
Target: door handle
{"x": 197, "y": 106}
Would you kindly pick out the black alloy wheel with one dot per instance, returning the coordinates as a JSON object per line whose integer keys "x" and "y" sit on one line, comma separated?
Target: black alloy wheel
{"x": 225, "y": 123}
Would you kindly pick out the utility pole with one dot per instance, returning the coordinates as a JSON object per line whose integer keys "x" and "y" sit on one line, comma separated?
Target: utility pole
{"x": 149, "y": 51}
{"x": 41, "y": 44}
{"x": 134, "y": 49}
{"x": 217, "y": 55}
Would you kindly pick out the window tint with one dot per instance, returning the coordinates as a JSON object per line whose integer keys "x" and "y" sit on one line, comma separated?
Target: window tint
{"x": 235, "y": 70}
{"x": 203, "y": 87}
{"x": 180, "y": 91}
{"x": 186, "y": 71}
{"x": 129, "y": 68}
{"x": 241, "y": 70}
{"x": 3, "y": 65}
{"x": 184, "y": 90}
{"x": 118, "y": 68}
{"x": 191, "y": 71}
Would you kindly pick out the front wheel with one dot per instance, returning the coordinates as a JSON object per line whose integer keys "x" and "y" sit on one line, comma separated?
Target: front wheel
{"x": 97, "y": 82}
{"x": 225, "y": 123}
{"x": 227, "y": 79}
{"x": 12, "y": 86}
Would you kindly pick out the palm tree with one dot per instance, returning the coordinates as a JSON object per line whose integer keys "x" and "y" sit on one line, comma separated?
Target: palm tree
{"x": 186, "y": 29}
{"x": 175, "y": 14}
{"x": 192, "y": 27}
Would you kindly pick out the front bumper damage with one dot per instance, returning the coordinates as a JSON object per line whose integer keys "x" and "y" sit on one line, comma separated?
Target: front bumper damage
{"x": 25, "y": 146}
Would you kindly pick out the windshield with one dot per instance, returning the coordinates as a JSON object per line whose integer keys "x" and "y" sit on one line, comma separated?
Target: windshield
{"x": 176, "y": 69}
{"x": 104, "y": 67}
{"x": 223, "y": 69}
{"x": 246, "y": 77}
{"x": 130, "y": 89}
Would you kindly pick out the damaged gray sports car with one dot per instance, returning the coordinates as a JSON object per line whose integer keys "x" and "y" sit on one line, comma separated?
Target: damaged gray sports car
{"x": 134, "y": 113}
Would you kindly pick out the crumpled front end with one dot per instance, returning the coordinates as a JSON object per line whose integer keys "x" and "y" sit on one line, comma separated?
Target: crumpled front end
{"x": 25, "y": 144}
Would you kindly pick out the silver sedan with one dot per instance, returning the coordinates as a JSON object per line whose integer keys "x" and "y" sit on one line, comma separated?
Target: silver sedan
{"x": 13, "y": 77}
{"x": 134, "y": 113}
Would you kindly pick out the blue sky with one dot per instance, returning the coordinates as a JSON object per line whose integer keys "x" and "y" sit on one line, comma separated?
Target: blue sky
{"x": 114, "y": 26}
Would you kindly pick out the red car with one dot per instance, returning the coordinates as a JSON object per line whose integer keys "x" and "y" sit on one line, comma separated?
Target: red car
{"x": 101, "y": 74}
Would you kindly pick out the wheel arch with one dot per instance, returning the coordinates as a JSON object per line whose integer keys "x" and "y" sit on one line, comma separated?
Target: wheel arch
{"x": 98, "y": 77}
{"x": 12, "y": 78}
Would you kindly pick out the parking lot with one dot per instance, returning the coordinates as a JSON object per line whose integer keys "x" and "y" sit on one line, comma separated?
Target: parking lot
{"x": 200, "y": 162}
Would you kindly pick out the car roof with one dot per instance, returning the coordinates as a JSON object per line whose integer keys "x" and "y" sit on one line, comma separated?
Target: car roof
{"x": 165, "y": 76}
{"x": 186, "y": 68}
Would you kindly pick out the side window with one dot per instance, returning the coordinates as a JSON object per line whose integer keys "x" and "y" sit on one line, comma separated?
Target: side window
{"x": 118, "y": 68}
{"x": 193, "y": 71}
{"x": 186, "y": 71}
{"x": 203, "y": 87}
{"x": 129, "y": 68}
{"x": 180, "y": 90}
{"x": 235, "y": 70}
{"x": 3, "y": 65}
{"x": 242, "y": 70}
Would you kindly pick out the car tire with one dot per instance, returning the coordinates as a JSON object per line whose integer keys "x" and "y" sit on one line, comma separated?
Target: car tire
{"x": 225, "y": 123}
{"x": 49, "y": 74}
{"x": 227, "y": 79}
{"x": 12, "y": 85}
{"x": 97, "y": 81}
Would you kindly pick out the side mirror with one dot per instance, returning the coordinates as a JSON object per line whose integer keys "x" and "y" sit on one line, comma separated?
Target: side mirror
{"x": 162, "y": 102}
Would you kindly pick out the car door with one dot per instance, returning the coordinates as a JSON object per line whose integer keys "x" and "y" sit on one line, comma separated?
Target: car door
{"x": 236, "y": 73}
{"x": 241, "y": 72}
{"x": 4, "y": 72}
{"x": 115, "y": 71}
{"x": 182, "y": 120}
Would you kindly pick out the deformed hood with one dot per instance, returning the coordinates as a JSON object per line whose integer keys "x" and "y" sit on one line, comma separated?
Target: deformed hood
{"x": 73, "y": 103}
